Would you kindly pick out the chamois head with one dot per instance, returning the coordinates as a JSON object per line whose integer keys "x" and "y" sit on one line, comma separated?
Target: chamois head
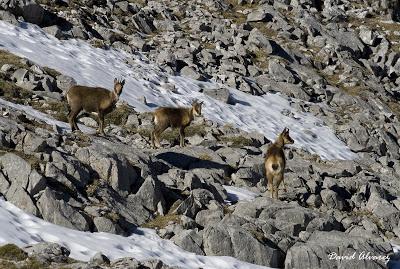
{"x": 196, "y": 107}
{"x": 285, "y": 137}
{"x": 118, "y": 85}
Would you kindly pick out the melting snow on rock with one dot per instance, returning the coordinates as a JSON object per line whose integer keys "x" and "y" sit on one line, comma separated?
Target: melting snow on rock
{"x": 22, "y": 229}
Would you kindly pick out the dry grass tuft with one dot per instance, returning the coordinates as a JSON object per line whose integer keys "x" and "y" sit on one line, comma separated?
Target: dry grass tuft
{"x": 12, "y": 252}
{"x": 161, "y": 222}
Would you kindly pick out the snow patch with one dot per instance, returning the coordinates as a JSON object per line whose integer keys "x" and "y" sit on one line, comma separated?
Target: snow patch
{"x": 238, "y": 194}
{"x": 22, "y": 229}
{"x": 97, "y": 67}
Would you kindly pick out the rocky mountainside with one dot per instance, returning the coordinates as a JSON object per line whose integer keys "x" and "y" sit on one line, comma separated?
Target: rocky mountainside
{"x": 338, "y": 59}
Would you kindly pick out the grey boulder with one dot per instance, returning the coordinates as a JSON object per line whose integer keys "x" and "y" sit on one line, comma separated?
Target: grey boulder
{"x": 220, "y": 240}
{"x": 56, "y": 210}
{"x": 320, "y": 246}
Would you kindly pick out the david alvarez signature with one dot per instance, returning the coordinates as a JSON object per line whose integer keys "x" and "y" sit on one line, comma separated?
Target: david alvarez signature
{"x": 361, "y": 256}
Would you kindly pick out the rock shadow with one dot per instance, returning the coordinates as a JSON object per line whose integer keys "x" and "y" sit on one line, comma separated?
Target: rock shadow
{"x": 187, "y": 162}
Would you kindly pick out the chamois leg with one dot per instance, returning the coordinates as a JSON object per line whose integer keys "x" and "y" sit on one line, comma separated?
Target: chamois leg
{"x": 182, "y": 136}
{"x": 155, "y": 142}
{"x": 155, "y": 137}
{"x": 72, "y": 119}
{"x": 270, "y": 184}
{"x": 273, "y": 186}
{"x": 101, "y": 122}
{"x": 274, "y": 192}
{"x": 284, "y": 184}
{"x": 76, "y": 125}
{"x": 69, "y": 111}
{"x": 152, "y": 139}
{"x": 69, "y": 120}
{"x": 277, "y": 181}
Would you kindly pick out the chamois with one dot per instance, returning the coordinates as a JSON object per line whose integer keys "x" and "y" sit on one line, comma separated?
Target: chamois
{"x": 275, "y": 162}
{"x": 175, "y": 117}
{"x": 92, "y": 99}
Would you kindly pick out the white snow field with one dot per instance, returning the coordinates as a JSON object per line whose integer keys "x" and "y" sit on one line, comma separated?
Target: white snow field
{"x": 21, "y": 229}
{"x": 97, "y": 67}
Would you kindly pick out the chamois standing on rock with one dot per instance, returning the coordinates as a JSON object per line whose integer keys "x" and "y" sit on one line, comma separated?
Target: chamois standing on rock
{"x": 92, "y": 99}
{"x": 175, "y": 117}
{"x": 275, "y": 162}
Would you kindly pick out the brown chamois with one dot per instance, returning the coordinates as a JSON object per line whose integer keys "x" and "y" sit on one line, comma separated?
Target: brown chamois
{"x": 275, "y": 162}
{"x": 174, "y": 117}
{"x": 92, "y": 99}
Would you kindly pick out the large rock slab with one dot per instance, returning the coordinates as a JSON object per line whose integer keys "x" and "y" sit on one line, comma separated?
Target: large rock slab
{"x": 192, "y": 73}
{"x": 189, "y": 240}
{"x": 78, "y": 173}
{"x": 19, "y": 171}
{"x": 19, "y": 197}
{"x": 110, "y": 166}
{"x": 322, "y": 247}
{"x": 219, "y": 240}
{"x": 48, "y": 252}
{"x": 221, "y": 94}
{"x": 264, "y": 14}
{"x": 56, "y": 210}
{"x": 290, "y": 218}
{"x": 150, "y": 195}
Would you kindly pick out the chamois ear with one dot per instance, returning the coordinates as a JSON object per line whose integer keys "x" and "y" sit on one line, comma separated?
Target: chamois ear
{"x": 123, "y": 82}
{"x": 115, "y": 81}
{"x": 286, "y": 130}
